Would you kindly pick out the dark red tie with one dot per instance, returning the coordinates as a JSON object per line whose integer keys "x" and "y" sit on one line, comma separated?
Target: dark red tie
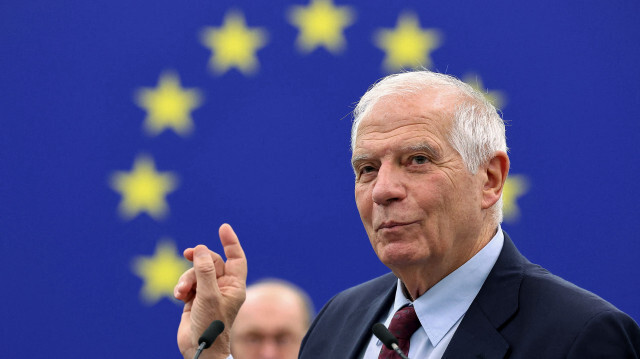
{"x": 404, "y": 323}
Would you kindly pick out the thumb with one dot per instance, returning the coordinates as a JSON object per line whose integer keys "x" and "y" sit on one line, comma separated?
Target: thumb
{"x": 207, "y": 285}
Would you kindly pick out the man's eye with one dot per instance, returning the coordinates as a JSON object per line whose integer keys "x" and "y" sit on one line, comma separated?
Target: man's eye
{"x": 419, "y": 160}
{"x": 363, "y": 173}
{"x": 367, "y": 169}
{"x": 284, "y": 340}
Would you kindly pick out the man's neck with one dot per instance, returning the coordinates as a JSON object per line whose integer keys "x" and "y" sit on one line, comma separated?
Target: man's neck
{"x": 417, "y": 280}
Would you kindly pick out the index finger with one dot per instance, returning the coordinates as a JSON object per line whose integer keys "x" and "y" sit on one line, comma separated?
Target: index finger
{"x": 217, "y": 259}
{"x": 236, "y": 259}
{"x": 205, "y": 271}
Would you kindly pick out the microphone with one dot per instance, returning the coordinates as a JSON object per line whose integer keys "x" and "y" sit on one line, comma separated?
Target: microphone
{"x": 209, "y": 336}
{"x": 389, "y": 341}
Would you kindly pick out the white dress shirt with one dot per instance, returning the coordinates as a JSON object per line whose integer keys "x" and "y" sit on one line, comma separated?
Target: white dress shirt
{"x": 441, "y": 309}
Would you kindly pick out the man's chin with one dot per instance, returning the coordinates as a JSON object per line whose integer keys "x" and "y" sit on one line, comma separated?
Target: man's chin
{"x": 397, "y": 254}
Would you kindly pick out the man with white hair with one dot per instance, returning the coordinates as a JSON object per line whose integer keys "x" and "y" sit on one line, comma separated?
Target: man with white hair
{"x": 430, "y": 162}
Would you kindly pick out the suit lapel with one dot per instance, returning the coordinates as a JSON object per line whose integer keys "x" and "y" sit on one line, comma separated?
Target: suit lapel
{"x": 365, "y": 316}
{"x": 478, "y": 335}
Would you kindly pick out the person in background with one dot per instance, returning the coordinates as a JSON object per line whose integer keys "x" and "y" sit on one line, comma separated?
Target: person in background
{"x": 272, "y": 321}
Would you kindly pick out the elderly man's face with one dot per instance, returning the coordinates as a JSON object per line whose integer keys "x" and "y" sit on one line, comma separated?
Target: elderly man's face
{"x": 418, "y": 202}
{"x": 270, "y": 325}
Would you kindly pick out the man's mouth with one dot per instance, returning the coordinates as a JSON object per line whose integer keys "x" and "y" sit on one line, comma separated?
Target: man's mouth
{"x": 392, "y": 224}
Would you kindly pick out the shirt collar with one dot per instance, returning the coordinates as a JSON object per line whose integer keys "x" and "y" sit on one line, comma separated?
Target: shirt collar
{"x": 442, "y": 306}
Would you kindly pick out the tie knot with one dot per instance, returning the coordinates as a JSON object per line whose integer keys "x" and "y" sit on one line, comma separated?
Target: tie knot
{"x": 404, "y": 323}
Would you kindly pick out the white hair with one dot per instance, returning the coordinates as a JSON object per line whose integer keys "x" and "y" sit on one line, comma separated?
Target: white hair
{"x": 477, "y": 130}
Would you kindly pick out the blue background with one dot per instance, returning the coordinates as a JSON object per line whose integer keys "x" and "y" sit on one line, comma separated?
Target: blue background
{"x": 270, "y": 152}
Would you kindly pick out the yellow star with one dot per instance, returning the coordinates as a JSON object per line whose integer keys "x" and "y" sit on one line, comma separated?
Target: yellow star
{"x": 407, "y": 45}
{"x": 321, "y": 24}
{"x": 159, "y": 272}
{"x": 497, "y": 98}
{"x": 168, "y": 105}
{"x": 233, "y": 44}
{"x": 143, "y": 189}
{"x": 514, "y": 187}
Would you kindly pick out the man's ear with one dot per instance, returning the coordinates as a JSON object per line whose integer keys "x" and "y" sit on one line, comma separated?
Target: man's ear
{"x": 496, "y": 172}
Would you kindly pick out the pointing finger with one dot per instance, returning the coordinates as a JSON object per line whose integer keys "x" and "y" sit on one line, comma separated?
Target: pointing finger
{"x": 236, "y": 259}
{"x": 217, "y": 260}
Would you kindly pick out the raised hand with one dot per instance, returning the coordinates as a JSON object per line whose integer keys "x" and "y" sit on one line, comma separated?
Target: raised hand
{"x": 212, "y": 289}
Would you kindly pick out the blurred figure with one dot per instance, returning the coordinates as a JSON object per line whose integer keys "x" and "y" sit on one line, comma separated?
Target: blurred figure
{"x": 272, "y": 321}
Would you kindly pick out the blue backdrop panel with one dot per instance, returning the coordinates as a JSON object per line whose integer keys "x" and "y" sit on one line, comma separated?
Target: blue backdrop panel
{"x": 96, "y": 205}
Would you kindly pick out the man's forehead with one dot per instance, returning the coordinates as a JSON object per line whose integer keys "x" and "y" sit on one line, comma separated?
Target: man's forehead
{"x": 261, "y": 311}
{"x": 436, "y": 98}
{"x": 432, "y": 109}
{"x": 272, "y": 293}
{"x": 410, "y": 132}
{"x": 382, "y": 123}
{"x": 414, "y": 119}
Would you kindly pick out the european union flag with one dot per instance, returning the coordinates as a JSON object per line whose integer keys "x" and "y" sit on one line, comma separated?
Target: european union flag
{"x": 132, "y": 130}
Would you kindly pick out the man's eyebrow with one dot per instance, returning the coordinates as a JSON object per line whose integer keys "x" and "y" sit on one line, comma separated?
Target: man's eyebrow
{"x": 419, "y": 147}
{"x": 422, "y": 147}
{"x": 358, "y": 158}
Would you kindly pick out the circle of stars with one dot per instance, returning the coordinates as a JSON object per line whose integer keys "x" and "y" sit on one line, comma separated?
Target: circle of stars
{"x": 234, "y": 45}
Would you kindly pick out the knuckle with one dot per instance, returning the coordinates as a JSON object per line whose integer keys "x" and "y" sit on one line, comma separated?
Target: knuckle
{"x": 206, "y": 268}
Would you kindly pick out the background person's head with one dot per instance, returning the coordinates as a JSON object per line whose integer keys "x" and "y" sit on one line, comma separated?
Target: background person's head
{"x": 272, "y": 321}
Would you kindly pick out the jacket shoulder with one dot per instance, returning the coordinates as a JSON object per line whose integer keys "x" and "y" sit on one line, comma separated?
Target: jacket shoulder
{"x": 562, "y": 318}
{"x": 546, "y": 291}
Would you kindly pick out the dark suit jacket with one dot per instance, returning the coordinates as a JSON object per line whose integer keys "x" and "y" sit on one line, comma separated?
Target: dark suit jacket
{"x": 521, "y": 311}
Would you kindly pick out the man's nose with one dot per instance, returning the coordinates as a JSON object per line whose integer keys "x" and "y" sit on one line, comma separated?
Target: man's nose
{"x": 388, "y": 186}
{"x": 269, "y": 350}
